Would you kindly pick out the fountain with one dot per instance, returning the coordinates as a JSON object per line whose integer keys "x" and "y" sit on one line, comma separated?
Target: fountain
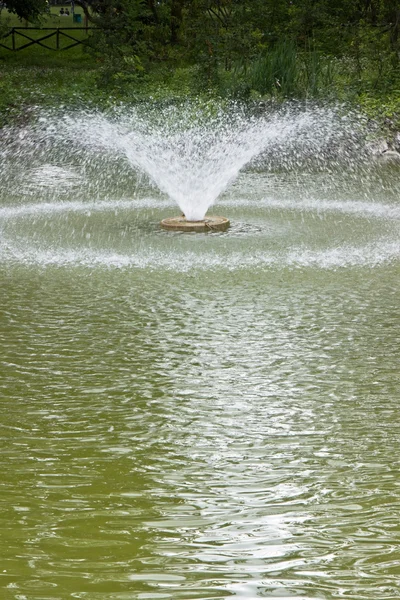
{"x": 191, "y": 153}
{"x": 87, "y": 188}
{"x": 198, "y": 416}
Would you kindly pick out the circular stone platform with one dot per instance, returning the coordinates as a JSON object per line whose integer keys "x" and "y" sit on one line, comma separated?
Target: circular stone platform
{"x": 207, "y": 224}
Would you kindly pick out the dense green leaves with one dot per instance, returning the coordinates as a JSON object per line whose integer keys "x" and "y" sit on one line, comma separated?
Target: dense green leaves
{"x": 27, "y": 9}
{"x": 276, "y": 47}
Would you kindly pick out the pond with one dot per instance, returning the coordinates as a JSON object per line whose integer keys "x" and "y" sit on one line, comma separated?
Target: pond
{"x": 199, "y": 416}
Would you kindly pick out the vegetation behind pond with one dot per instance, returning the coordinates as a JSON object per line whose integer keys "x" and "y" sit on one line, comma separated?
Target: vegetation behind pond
{"x": 246, "y": 49}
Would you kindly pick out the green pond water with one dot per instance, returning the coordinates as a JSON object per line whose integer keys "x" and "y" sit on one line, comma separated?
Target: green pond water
{"x": 206, "y": 416}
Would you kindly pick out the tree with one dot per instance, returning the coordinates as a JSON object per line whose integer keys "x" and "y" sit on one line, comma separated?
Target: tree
{"x": 30, "y": 10}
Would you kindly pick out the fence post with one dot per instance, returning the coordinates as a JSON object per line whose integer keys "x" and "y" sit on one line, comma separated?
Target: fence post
{"x": 13, "y": 38}
{"x": 58, "y": 38}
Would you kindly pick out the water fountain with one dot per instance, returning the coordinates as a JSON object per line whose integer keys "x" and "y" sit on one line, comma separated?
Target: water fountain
{"x": 191, "y": 153}
{"x": 198, "y": 416}
{"x": 88, "y": 181}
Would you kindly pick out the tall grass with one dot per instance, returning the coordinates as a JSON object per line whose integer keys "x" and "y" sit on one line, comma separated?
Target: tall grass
{"x": 276, "y": 71}
{"x": 285, "y": 72}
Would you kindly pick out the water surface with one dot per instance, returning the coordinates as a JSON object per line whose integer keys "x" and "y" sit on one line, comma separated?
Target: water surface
{"x": 199, "y": 416}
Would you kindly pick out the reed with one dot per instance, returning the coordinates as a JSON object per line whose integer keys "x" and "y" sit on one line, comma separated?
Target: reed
{"x": 276, "y": 71}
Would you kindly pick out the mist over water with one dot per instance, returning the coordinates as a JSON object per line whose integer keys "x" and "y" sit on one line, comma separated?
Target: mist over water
{"x": 190, "y": 153}
{"x": 84, "y": 187}
{"x": 192, "y": 162}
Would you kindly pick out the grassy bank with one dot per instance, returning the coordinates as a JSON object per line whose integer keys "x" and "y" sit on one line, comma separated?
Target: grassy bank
{"x": 39, "y": 76}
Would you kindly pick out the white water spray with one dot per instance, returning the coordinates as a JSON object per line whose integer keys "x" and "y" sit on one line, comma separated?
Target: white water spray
{"x": 192, "y": 159}
{"x": 74, "y": 190}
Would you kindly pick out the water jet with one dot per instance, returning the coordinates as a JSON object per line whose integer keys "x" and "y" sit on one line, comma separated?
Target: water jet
{"x": 68, "y": 199}
{"x": 192, "y": 156}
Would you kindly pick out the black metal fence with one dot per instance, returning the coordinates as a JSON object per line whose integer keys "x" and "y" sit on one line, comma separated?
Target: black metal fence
{"x": 19, "y": 34}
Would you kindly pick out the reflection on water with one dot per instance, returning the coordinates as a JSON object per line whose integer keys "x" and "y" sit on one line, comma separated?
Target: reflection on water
{"x": 201, "y": 416}
{"x": 190, "y": 437}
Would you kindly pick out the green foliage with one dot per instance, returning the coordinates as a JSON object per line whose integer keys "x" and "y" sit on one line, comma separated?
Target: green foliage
{"x": 31, "y": 10}
{"x": 383, "y": 111}
{"x": 275, "y": 71}
{"x": 284, "y": 72}
{"x": 228, "y": 48}
{"x": 130, "y": 36}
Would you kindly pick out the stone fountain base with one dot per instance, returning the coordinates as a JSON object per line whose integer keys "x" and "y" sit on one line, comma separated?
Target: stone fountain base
{"x": 207, "y": 224}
